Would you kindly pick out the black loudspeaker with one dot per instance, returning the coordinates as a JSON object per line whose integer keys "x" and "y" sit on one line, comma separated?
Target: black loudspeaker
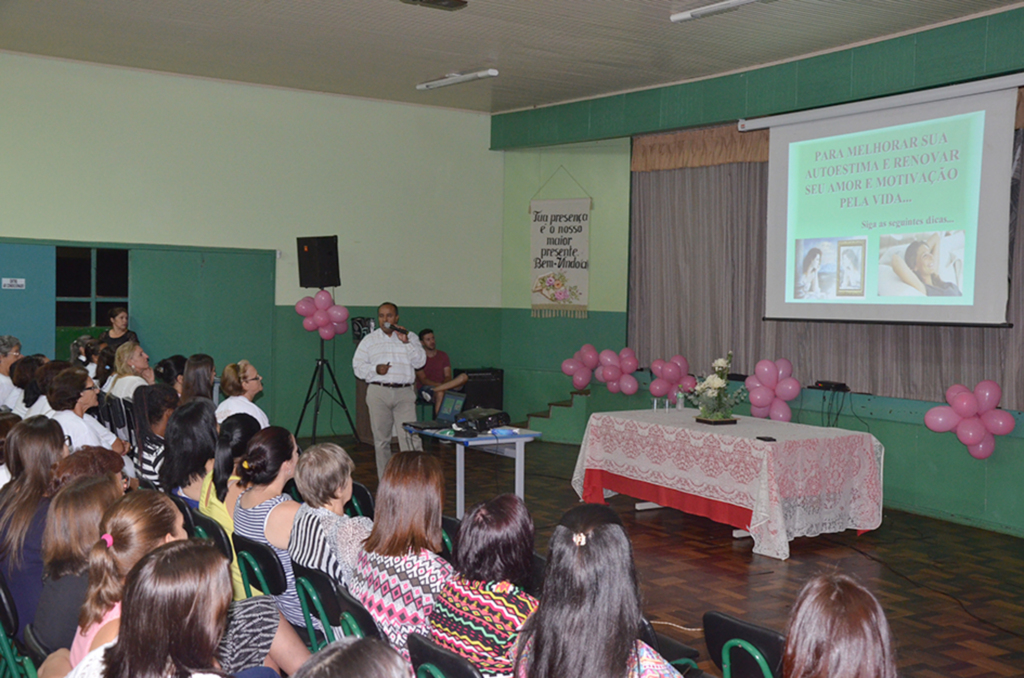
{"x": 485, "y": 388}
{"x": 318, "y": 262}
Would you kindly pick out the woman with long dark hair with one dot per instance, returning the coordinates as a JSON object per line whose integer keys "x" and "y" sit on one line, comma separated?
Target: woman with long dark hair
{"x": 153, "y": 407}
{"x": 197, "y": 379}
{"x": 588, "y": 620}
{"x": 399, "y": 574}
{"x": 171, "y": 371}
{"x": 480, "y": 611}
{"x": 189, "y": 446}
{"x": 32, "y": 447}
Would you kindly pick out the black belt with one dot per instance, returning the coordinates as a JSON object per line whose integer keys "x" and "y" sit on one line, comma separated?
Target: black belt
{"x": 377, "y": 383}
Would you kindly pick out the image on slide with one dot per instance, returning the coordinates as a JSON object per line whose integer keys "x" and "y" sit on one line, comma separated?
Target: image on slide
{"x": 921, "y": 264}
{"x": 851, "y": 267}
{"x": 816, "y": 264}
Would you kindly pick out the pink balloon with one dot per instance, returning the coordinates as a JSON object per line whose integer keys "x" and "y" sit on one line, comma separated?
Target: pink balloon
{"x": 327, "y": 332}
{"x": 671, "y": 373}
{"x": 321, "y": 318}
{"x": 684, "y": 366}
{"x": 767, "y": 373}
{"x": 941, "y": 419}
{"x": 787, "y": 389}
{"x": 628, "y": 384}
{"x": 785, "y": 368}
{"x": 761, "y": 412}
{"x": 971, "y": 431}
{"x": 310, "y": 324}
{"x": 628, "y": 364}
{"x": 988, "y": 395}
{"x": 660, "y": 388}
{"x": 779, "y": 411}
{"x": 657, "y": 366}
{"x": 611, "y": 373}
{"x": 581, "y": 378}
{"x": 966, "y": 405}
{"x": 627, "y": 353}
{"x": 586, "y": 348}
{"x": 998, "y": 422}
{"x": 984, "y": 449}
{"x": 323, "y": 300}
{"x": 608, "y": 357}
{"x": 953, "y": 390}
{"x": 340, "y": 328}
{"x": 305, "y": 307}
{"x": 339, "y": 314}
{"x": 613, "y": 386}
{"x": 688, "y": 383}
{"x": 589, "y": 355}
{"x": 751, "y": 383}
{"x": 673, "y": 396}
{"x": 569, "y": 366}
{"x": 578, "y": 357}
{"x": 599, "y": 374}
{"x": 762, "y": 396}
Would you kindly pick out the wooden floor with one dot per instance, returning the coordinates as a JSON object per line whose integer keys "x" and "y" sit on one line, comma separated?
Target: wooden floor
{"x": 954, "y": 595}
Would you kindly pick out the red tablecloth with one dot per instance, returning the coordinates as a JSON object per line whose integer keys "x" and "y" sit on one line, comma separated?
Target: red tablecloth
{"x": 811, "y": 480}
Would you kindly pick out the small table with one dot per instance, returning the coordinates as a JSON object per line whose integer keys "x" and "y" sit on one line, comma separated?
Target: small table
{"x": 512, "y": 446}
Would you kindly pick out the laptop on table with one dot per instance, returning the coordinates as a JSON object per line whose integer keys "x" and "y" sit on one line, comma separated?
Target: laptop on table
{"x": 451, "y": 407}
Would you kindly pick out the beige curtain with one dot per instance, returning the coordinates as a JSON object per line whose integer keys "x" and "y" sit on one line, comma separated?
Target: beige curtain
{"x": 697, "y": 268}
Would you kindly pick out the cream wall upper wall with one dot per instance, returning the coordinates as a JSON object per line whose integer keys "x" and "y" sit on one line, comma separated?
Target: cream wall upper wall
{"x": 102, "y": 154}
{"x": 602, "y": 172}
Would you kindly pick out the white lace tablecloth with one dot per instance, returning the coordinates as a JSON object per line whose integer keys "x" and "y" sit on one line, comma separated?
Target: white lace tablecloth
{"x": 812, "y": 480}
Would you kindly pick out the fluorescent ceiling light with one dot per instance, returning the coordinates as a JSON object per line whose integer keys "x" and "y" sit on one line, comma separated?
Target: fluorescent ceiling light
{"x": 708, "y": 10}
{"x": 456, "y": 78}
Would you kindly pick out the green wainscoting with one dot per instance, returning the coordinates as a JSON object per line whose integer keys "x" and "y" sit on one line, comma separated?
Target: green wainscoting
{"x": 968, "y": 50}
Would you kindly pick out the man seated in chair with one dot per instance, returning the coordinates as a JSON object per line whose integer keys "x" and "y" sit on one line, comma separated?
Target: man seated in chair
{"x": 435, "y": 377}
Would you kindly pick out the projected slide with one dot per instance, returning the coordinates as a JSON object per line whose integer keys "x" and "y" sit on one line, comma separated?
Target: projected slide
{"x": 887, "y": 216}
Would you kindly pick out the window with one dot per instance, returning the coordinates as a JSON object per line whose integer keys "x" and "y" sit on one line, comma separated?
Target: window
{"x": 90, "y": 281}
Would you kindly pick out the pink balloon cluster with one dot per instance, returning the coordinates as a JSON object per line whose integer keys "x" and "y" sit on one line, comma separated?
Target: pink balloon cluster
{"x": 670, "y": 376}
{"x": 615, "y": 370}
{"x": 320, "y": 313}
{"x": 771, "y": 388}
{"x": 974, "y": 416}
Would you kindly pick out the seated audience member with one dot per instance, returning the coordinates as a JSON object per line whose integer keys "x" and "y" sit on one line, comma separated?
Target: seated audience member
{"x": 87, "y": 462}
{"x": 118, "y": 334}
{"x": 171, "y": 371}
{"x": 7, "y": 422}
{"x": 263, "y": 512}
{"x": 588, "y": 619}
{"x": 105, "y": 366}
{"x": 10, "y": 353}
{"x": 134, "y": 526}
{"x": 435, "y": 377}
{"x": 72, "y": 527}
{"x": 241, "y": 383}
{"x": 323, "y": 537}
{"x": 399, "y": 573}
{"x": 132, "y": 370}
{"x": 77, "y": 351}
{"x": 197, "y": 379}
{"x": 189, "y": 447}
{"x": 480, "y": 611}
{"x": 355, "y": 658}
{"x": 72, "y": 392}
{"x": 220, "y": 486}
{"x": 23, "y": 374}
{"x": 35, "y": 393}
{"x": 838, "y": 629}
{"x": 32, "y": 447}
{"x": 153, "y": 406}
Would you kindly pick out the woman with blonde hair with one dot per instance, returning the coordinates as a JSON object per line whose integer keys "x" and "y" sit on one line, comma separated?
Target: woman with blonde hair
{"x": 131, "y": 370}
{"x": 241, "y": 383}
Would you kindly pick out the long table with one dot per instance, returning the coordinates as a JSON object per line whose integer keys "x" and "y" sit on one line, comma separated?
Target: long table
{"x": 811, "y": 480}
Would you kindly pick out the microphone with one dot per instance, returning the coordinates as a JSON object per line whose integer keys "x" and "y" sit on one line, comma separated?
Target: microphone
{"x": 395, "y": 328}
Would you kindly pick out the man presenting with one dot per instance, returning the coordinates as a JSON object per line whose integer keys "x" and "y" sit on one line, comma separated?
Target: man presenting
{"x": 387, "y": 360}
{"x": 436, "y": 375}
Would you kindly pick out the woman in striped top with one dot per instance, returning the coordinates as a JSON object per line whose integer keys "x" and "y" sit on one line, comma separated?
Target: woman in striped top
{"x": 263, "y": 512}
{"x": 480, "y": 611}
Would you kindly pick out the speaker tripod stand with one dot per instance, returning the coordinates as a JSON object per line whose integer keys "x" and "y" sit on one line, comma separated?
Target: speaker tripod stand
{"x": 318, "y": 389}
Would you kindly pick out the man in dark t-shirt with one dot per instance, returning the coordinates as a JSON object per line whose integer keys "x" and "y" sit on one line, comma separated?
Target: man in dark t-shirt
{"x": 435, "y": 377}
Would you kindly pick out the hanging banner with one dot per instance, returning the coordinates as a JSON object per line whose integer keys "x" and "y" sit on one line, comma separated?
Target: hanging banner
{"x": 560, "y": 254}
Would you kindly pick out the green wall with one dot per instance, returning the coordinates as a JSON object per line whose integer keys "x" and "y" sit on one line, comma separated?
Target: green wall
{"x": 979, "y": 48}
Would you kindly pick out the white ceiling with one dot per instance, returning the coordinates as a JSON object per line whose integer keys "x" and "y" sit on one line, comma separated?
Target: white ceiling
{"x": 547, "y": 51}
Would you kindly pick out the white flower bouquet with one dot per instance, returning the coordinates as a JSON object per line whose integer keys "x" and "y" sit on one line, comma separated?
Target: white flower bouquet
{"x": 711, "y": 394}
